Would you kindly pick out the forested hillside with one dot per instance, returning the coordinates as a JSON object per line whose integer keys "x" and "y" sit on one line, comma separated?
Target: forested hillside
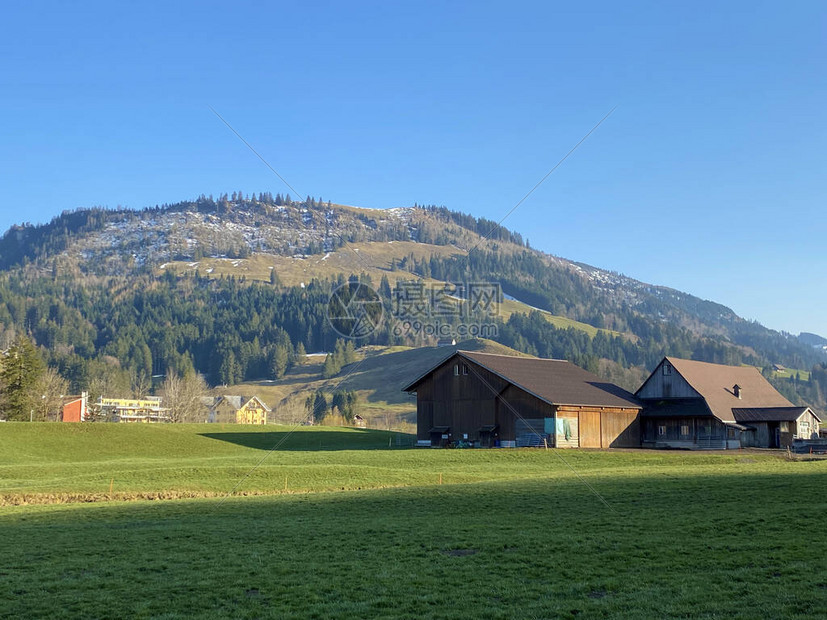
{"x": 113, "y": 298}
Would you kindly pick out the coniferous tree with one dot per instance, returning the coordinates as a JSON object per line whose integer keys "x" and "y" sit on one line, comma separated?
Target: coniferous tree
{"x": 300, "y": 354}
{"x": 22, "y": 369}
{"x": 320, "y": 406}
{"x": 280, "y": 361}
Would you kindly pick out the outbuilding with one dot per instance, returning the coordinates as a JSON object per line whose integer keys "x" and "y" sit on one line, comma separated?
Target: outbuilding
{"x": 487, "y": 400}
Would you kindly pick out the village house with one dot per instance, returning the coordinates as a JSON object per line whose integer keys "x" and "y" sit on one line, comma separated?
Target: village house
{"x": 253, "y": 411}
{"x": 488, "y": 400}
{"x": 697, "y": 405}
{"x": 228, "y": 409}
{"x": 147, "y": 409}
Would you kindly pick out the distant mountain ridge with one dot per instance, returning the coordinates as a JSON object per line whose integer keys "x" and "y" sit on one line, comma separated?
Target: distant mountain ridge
{"x": 117, "y": 242}
{"x": 278, "y": 240}
{"x": 814, "y": 340}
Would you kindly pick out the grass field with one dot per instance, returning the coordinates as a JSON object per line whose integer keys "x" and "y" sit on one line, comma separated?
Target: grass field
{"x": 367, "y": 531}
{"x": 803, "y": 375}
{"x": 510, "y": 306}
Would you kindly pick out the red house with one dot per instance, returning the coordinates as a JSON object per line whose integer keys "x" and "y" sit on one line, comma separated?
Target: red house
{"x": 75, "y": 410}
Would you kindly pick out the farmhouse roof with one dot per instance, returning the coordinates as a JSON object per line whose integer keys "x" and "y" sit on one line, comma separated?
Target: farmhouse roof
{"x": 715, "y": 383}
{"x": 556, "y": 382}
{"x": 259, "y": 401}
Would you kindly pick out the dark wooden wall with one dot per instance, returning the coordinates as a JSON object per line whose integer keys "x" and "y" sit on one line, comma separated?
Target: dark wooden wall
{"x": 464, "y": 402}
{"x": 467, "y": 402}
{"x": 671, "y": 385}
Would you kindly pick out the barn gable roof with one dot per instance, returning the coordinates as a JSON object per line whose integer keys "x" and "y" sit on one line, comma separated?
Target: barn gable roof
{"x": 556, "y": 382}
{"x": 715, "y": 383}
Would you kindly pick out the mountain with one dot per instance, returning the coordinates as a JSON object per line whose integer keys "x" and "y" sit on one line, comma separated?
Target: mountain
{"x": 813, "y": 340}
{"x": 227, "y": 286}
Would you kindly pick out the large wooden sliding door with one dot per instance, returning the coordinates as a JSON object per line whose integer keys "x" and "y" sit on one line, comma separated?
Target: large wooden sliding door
{"x": 589, "y": 427}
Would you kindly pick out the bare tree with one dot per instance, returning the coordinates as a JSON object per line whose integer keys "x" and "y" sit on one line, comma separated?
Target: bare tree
{"x": 141, "y": 385}
{"x": 51, "y": 388}
{"x": 182, "y": 396}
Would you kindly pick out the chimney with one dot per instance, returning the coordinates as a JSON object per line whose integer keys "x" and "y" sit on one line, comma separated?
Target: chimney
{"x": 736, "y": 389}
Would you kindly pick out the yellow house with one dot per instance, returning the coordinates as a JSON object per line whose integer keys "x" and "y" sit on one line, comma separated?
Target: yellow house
{"x": 254, "y": 411}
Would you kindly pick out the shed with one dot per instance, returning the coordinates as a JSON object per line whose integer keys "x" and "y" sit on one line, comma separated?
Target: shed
{"x": 488, "y": 400}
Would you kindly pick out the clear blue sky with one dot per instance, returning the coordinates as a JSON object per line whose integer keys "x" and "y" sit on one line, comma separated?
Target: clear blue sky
{"x": 709, "y": 177}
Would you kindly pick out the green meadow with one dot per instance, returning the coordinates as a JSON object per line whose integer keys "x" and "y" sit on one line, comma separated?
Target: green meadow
{"x": 211, "y": 521}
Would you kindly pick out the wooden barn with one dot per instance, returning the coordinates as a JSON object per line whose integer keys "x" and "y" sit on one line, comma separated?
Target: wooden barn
{"x": 488, "y": 400}
{"x": 697, "y": 405}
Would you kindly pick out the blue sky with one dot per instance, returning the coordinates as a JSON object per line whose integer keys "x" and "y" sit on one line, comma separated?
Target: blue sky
{"x": 709, "y": 176}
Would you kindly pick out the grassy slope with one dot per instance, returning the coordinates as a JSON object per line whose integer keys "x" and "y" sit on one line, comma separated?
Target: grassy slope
{"x": 373, "y": 258}
{"x": 510, "y": 306}
{"x": 378, "y": 378}
{"x": 511, "y": 533}
{"x": 53, "y": 461}
{"x": 803, "y": 375}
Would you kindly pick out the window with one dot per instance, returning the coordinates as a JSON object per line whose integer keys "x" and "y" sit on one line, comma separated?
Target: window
{"x": 804, "y": 429}
{"x": 456, "y": 370}
{"x": 785, "y": 427}
{"x": 662, "y": 430}
{"x": 684, "y": 430}
{"x": 667, "y": 368}
{"x": 465, "y": 369}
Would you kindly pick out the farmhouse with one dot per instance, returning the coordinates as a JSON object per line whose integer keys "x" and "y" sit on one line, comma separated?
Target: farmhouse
{"x": 254, "y": 411}
{"x": 689, "y": 404}
{"x": 239, "y": 409}
{"x": 487, "y": 400}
